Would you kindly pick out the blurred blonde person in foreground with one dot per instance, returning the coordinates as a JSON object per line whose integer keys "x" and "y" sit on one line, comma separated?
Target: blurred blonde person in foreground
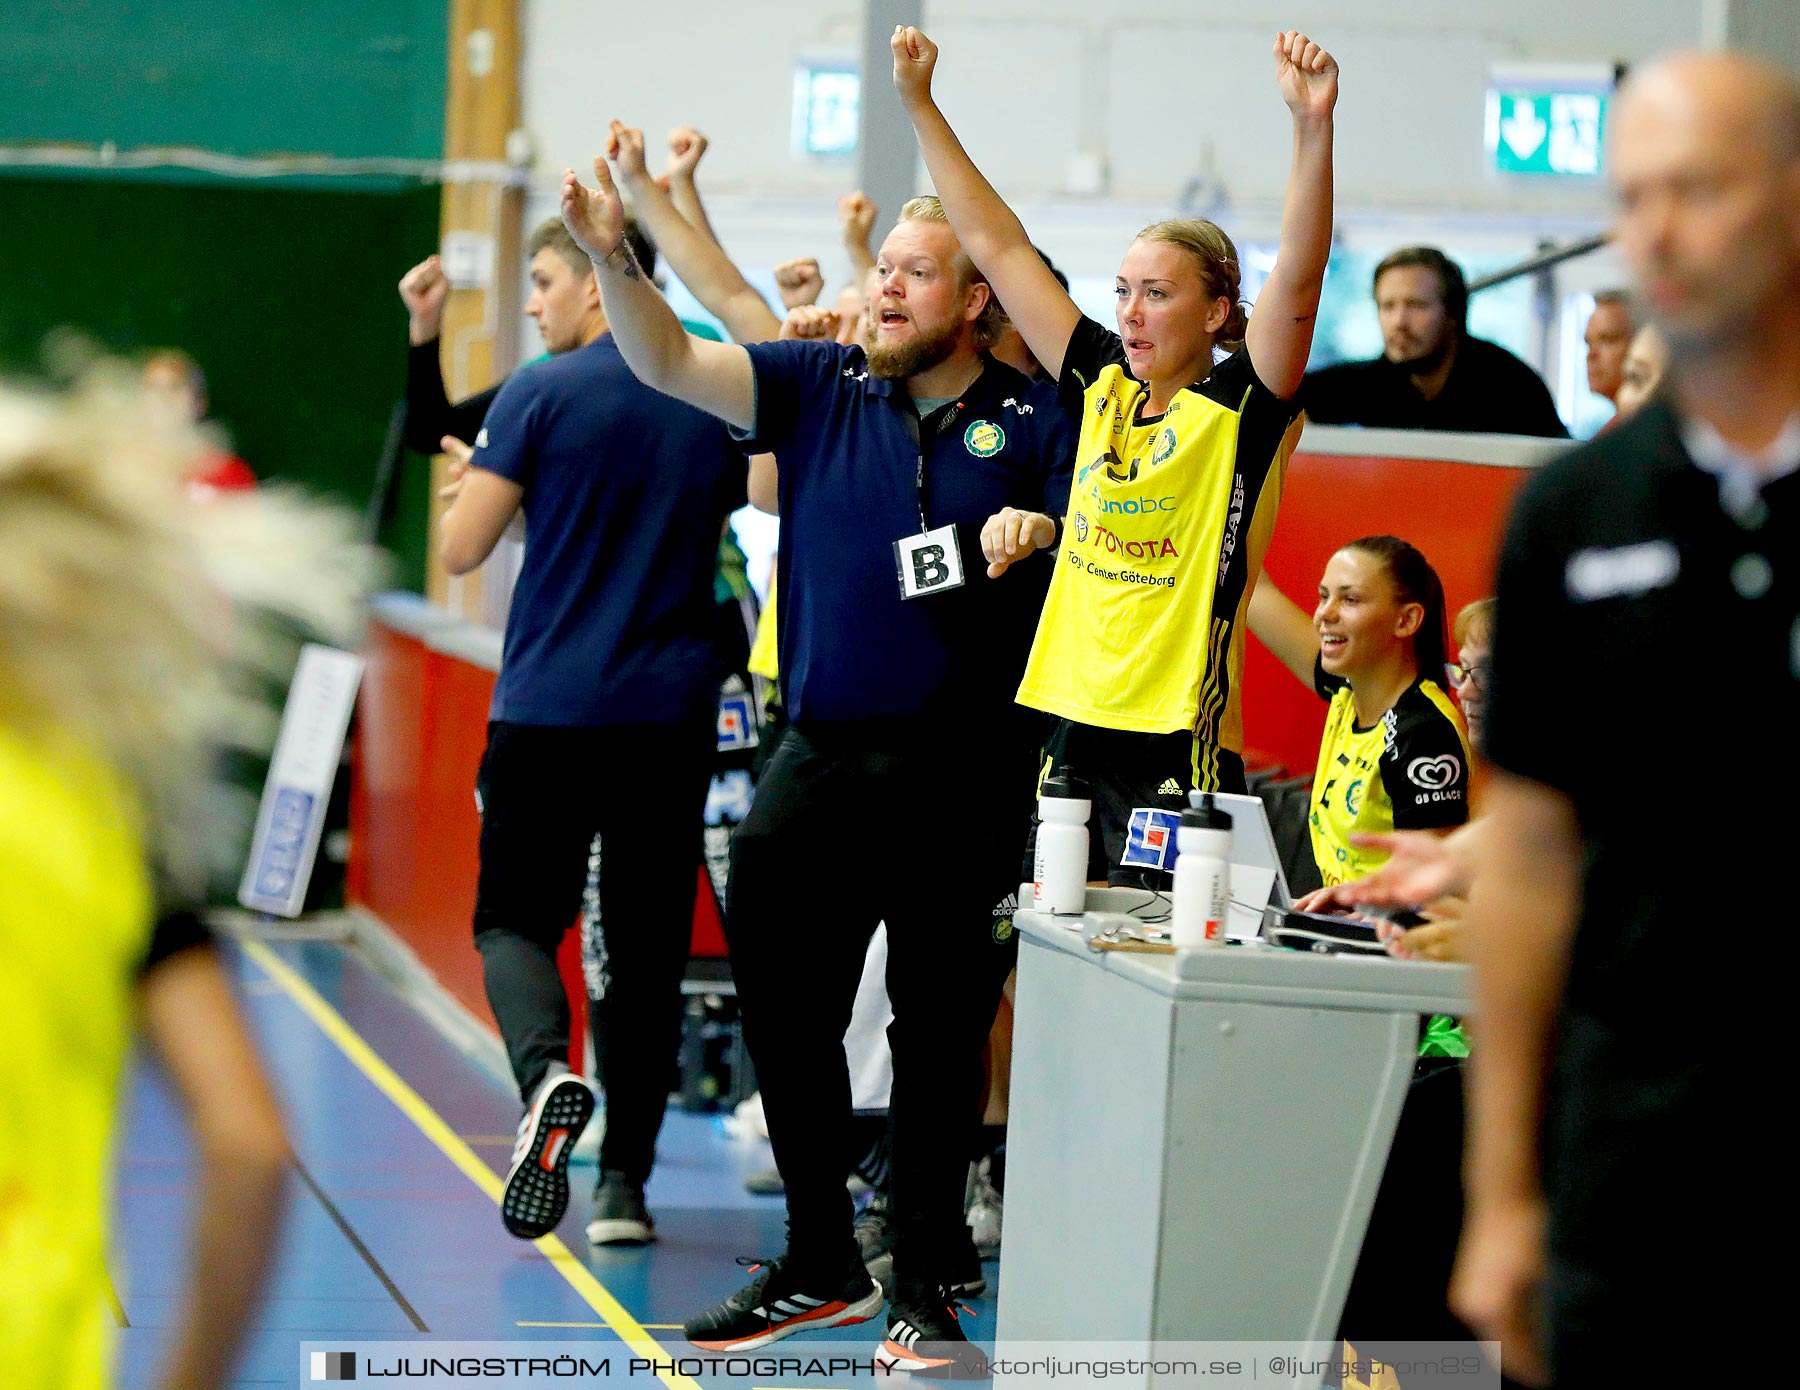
{"x": 135, "y": 628}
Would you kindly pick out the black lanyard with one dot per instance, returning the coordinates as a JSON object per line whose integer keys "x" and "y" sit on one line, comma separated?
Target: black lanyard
{"x": 946, "y": 422}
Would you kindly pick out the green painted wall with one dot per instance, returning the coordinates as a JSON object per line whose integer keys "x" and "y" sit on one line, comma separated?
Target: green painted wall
{"x": 339, "y": 77}
{"x": 282, "y": 290}
{"x": 286, "y": 298}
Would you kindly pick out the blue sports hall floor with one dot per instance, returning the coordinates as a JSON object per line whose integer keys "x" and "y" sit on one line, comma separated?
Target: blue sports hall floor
{"x": 393, "y": 1230}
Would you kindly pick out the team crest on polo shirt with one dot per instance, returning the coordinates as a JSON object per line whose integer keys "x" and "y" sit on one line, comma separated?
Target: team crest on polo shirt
{"x": 1165, "y": 446}
{"x": 984, "y": 439}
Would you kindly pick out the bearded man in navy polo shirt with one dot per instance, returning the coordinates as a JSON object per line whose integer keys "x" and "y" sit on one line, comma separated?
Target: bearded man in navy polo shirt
{"x": 902, "y": 792}
{"x": 603, "y": 721}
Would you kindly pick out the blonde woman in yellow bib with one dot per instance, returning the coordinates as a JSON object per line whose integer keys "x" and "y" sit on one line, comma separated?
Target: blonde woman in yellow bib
{"x": 1394, "y": 755}
{"x": 1186, "y": 416}
{"x": 137, "y": 631}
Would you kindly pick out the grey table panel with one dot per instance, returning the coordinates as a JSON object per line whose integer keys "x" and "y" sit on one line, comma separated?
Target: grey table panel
{"x": 1195, "y": 1140}
{"x": 1258, "y": 972}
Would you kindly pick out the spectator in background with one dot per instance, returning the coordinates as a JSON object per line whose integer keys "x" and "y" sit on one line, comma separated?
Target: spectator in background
{"x": 1431, "y": 375}
{"x": 1629, "y": 1057}
{"x": 1608, "y": 335}
{"x": 173, "y": 381}
{"x": 1473, "y": 633}
{"x": 1645, "y": 362}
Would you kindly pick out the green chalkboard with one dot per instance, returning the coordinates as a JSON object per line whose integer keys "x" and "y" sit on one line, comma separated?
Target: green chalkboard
{"x": 285, "y": 297}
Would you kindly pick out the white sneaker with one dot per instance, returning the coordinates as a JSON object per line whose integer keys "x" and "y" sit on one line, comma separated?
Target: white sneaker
{"x": 983, "y": 1211}
{"x": 537, "y": 1183}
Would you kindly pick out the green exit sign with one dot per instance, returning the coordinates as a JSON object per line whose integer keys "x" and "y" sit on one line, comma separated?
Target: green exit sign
{"x": 1548, "y": 120}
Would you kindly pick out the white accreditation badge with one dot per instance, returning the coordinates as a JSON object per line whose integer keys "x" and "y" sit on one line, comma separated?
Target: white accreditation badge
{"x": 929, "y": 563}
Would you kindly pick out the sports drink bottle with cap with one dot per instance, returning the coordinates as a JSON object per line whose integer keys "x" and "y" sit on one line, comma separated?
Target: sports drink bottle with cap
{"x": 1059, "y": 869}
{"x": 1202, "y": 875}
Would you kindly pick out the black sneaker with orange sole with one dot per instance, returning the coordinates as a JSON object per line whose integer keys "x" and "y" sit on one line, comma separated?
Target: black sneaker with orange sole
{"x": 777, "y": 1304}
{"x": 925, "y": 1338}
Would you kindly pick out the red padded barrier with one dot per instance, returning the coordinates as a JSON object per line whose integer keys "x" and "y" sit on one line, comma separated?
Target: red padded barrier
{"x": 1454, "y": 512}
{"x": 414, "y": 833}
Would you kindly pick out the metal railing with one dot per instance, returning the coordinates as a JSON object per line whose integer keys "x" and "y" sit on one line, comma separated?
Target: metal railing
{"x": 1544, "y": 260}
{"x": 1544, "y": 307}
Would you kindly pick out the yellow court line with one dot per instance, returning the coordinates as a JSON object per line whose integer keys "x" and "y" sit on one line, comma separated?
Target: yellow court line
{"x": 561, "y": 1324}
{"x": 432, "y": 1126}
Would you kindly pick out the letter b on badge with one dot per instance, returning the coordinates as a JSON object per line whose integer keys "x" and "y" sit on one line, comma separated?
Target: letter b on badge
{"x": 928, "y": 563}
{"x": 928, "y": 566}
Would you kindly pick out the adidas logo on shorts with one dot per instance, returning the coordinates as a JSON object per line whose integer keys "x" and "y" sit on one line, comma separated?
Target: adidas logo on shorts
{"x": 1003, "y": 916}
{"x": 1170, "y": 787}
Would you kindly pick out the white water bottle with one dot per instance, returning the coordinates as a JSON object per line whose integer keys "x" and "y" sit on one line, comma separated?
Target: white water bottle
{"x": 1202, "y": 876}
{"x": 1059, "y": 868}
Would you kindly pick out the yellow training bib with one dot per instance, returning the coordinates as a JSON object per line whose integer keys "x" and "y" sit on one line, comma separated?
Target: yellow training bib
{"x": 1169, "y": 518}
{"x": 1407, "y": 771}
{"x": 74, "y": 926}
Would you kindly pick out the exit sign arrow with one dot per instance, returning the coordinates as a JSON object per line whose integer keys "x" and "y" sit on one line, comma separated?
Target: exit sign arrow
{"x": 1548, "y": 120}
{"x": 1524, "y": 130}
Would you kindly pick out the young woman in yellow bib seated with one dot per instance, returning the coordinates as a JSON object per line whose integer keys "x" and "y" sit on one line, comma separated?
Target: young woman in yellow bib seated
{"x": 1139, "y": 651}
{"x": 1394, "y": 755}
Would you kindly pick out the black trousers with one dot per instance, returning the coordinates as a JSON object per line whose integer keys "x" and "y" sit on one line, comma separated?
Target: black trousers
{"x": 843, "y": 835}
{"x": 544, "y": 793}
{"x": 1401, "y": 1286}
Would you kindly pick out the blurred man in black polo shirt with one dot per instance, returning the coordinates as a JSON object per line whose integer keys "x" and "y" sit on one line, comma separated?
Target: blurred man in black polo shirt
{"x": 1634, "y": 1034}
{"x": 1432, "y": 375}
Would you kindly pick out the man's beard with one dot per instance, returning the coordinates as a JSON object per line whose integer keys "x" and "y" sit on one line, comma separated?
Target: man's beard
{"x": 923, "y": 351}
{"x": 1430, "y": 360}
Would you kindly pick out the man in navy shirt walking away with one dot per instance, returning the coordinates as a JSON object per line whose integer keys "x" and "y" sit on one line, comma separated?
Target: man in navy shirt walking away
{"x": 603, "y": 720}
{"x": 903, "y": 789}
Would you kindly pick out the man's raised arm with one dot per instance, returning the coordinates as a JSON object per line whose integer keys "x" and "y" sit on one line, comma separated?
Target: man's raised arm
{"x": 716, "y": 377}
{"x": 698, "y": 261}
{"x": 686, "y": 146}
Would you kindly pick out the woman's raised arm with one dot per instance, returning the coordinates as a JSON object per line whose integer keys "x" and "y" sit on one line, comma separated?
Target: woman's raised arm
{"x": 1281, "y": 328}
{"x": 990, "y": 233}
